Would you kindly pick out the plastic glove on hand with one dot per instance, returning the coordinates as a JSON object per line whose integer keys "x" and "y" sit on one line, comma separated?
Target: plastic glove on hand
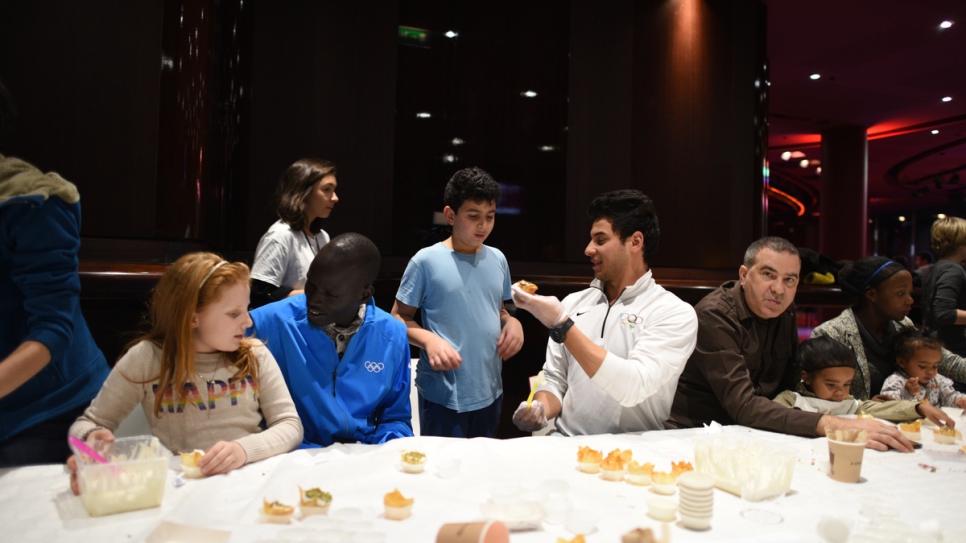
{"x": 530, "y": 419}
{"x": 547, "y": 309}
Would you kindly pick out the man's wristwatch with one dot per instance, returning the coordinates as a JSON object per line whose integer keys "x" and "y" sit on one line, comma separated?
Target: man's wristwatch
{"x": 559, "y": 333}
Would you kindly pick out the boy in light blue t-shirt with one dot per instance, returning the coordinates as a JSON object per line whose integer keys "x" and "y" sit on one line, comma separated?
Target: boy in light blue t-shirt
{"x": 459, "y": 286}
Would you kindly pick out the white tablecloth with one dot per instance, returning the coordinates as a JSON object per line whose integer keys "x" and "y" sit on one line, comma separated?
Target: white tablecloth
{"x": 36, "y": 503}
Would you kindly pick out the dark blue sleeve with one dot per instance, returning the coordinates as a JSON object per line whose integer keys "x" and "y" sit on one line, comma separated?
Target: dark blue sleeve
{"x": 44, "y": 268}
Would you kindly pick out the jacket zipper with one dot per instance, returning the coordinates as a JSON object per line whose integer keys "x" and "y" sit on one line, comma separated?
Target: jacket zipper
{"x": 604, "y": 324}
{"x": 334, "y": 373}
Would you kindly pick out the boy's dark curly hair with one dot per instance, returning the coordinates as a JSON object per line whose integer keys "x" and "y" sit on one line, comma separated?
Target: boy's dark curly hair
{"x": 470, "y": 184}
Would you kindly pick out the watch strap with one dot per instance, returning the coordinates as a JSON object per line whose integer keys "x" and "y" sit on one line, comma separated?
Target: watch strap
{"x": 559, "y": 333}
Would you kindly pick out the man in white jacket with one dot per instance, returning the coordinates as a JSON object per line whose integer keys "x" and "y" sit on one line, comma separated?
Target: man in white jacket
{"x": 617, "y": 348}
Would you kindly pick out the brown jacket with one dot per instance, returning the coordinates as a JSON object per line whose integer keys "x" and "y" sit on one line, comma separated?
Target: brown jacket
{"x": 740, "y": 363}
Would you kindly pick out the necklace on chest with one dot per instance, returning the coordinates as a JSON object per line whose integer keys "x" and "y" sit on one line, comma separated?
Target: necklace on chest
{"x": 209, "y": 380}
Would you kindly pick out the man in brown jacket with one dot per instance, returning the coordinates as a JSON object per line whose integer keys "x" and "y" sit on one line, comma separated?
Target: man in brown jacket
{"x": 747, "y": 335}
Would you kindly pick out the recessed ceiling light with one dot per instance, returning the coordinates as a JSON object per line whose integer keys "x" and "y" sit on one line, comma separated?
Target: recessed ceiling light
{"x": 818, "y": 170}
{"x": 814, "y": 76}
{"x": 945, "y": 24}
{"x": 529, "y": 94}
{"x": 786, "y": 155}
{"x": 450, "y": 34}
{"x": 935, "y": 131}
{"x": 947, "y": 98}
{"x": 941, "y": 216}
{"x": 803, "y": 163}
{"x": 424, "y": 115}
{"x": 902, "y": 218}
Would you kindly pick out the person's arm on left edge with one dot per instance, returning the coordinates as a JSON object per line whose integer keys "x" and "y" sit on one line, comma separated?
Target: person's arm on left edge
{"x": 44, "y": 269}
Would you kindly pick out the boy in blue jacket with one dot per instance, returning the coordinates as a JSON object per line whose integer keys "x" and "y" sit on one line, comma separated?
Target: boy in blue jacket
{"x": 345, "y": 361}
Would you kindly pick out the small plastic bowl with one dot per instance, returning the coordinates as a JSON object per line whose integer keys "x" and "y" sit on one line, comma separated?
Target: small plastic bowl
{"x": 662, "y": 509}
{"x": 581, "y": 522}
{"x": 448, "y": 468}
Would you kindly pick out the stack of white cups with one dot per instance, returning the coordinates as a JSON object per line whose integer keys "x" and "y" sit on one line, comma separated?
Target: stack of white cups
{"x": 696, "y": 502}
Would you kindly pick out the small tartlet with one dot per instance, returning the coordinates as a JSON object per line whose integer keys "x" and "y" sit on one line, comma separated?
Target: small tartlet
{"x": 527, "y": 286}
{"x": 912, "y": 430}
{"x": 276, "y": 512}
{"x": 613, "y": 466}
{"x": 398, "y": 507}
{"x": 946, "y": 435}
{"x": 314, "y": 501}
{"x": 663, "y": 482}
{"x": 413, "y": 461}
{"x": 639, "y": 474}
{"x": 588, "y": 460}
{"x": 189, "y": 464}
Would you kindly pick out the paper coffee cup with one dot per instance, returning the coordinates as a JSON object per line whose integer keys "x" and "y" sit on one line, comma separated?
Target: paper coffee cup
{"x": 845, "y": 460}
{"x": 492, "y": 531}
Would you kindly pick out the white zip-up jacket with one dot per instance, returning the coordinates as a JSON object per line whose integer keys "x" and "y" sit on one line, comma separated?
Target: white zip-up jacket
{"x": 648, "y": 333}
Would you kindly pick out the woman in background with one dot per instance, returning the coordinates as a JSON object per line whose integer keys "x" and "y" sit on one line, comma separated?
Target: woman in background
{"x": 944, "y": 285}
{"x": 304, "y": 197}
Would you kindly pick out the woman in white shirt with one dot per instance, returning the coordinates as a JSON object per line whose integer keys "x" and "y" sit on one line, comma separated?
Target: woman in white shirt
{"x": 304, "y": 197}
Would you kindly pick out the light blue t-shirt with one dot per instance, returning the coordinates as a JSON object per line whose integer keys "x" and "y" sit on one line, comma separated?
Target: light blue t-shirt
{"x": 459, "y": 297}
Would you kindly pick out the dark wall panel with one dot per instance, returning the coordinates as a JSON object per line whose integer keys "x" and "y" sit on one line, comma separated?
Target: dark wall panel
{"x": 695, "y": 126}
{"x": 663, "y": 99}
{"x": 86, "y": 77}
{"x": 324, "y": 86}
{"x": 600, "y": 122}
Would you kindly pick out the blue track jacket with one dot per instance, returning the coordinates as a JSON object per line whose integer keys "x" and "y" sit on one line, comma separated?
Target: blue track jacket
{"x": 362, "y": 398}
{"x": 40, "y": 299}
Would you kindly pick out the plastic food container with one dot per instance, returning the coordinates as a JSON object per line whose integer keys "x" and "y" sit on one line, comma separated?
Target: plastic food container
{"x": 733, "y": 459}
{"x": 133, "y": 479}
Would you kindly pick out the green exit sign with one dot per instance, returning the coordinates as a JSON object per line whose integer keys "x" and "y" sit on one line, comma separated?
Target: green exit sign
{"x": 418, "y": 37}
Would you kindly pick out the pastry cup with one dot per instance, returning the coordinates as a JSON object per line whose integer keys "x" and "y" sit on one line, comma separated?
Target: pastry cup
{"x": 414, "y": 467}
{"x": 911, "y": 436}
{"x": 283, "y": 518}
{"x": 589, "y": 467}
{"x": 613, "y": 474}
{"x": 310, "y": 510}
{"x": 944, "y": 439}
{"x": 399, "y": 513}
{"x": 639, "y": 479}
{"x": 192, "y": 472}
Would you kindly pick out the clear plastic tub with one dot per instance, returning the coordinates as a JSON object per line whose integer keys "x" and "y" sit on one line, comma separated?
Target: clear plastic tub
{"x": 133, "y": 479}
{"x": 733, "y": 459}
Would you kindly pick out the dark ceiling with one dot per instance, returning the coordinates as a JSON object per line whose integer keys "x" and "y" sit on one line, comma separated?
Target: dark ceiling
{"x": 885, "y": 65}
